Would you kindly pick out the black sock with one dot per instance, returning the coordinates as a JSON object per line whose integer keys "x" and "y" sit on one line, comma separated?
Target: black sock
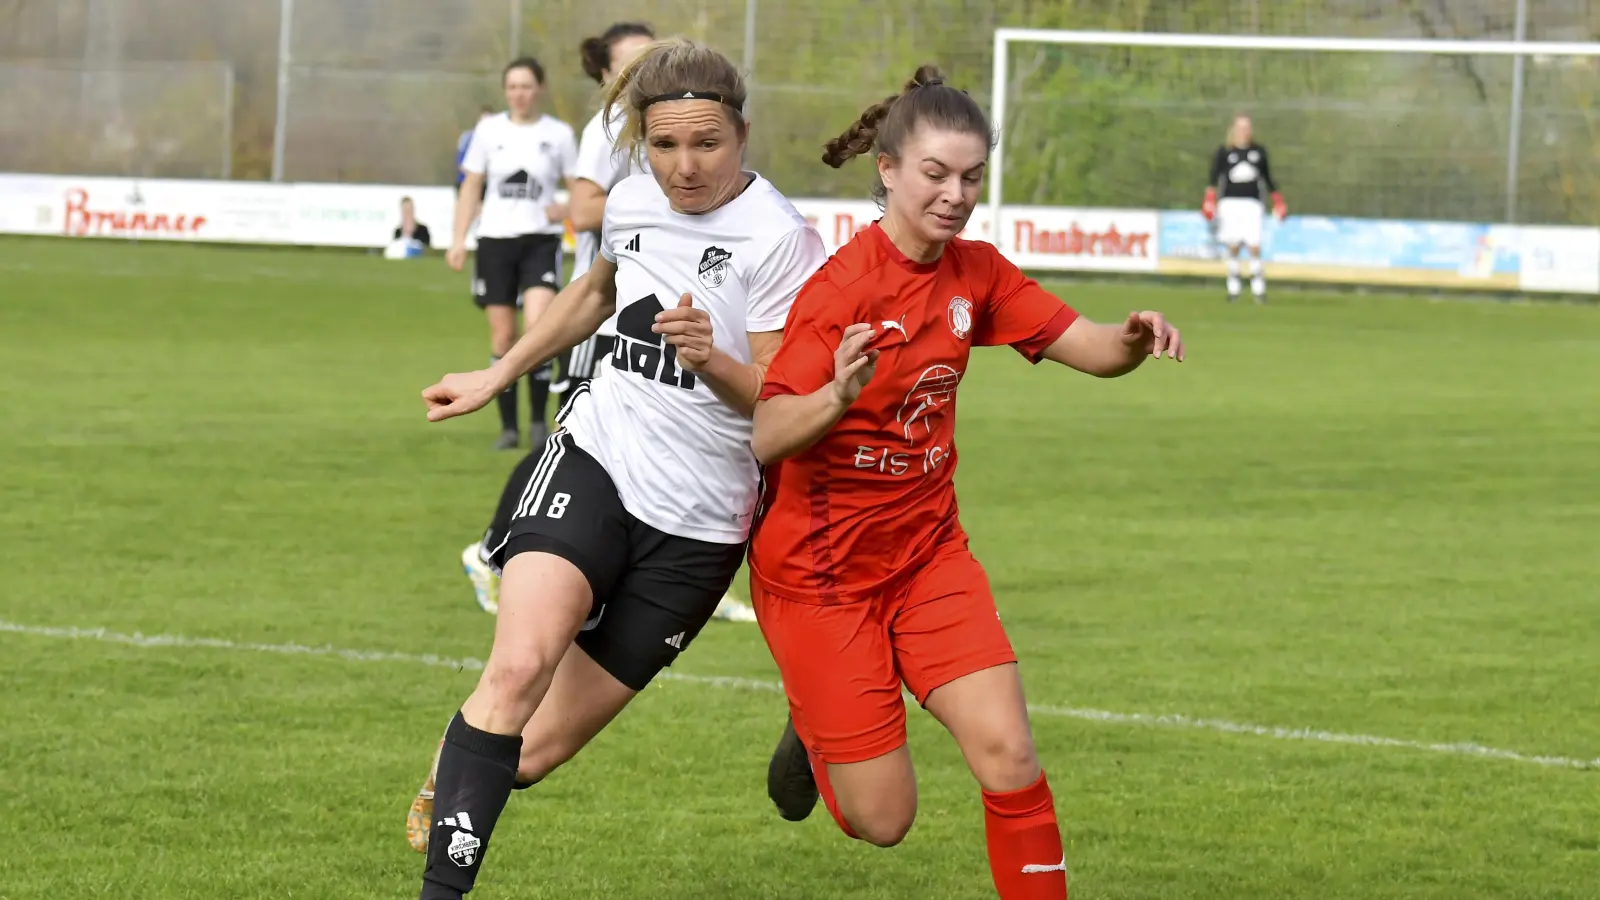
{"x": 507, "y": 402}
{"x": 476, "y": 772}
{"x": 511, "y": 498}
{"x": 539, "y": 396}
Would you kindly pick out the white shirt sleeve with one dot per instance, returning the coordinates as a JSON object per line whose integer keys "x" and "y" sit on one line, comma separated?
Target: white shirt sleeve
{"x": 778, "y": 278}
{"x": 598, "y": 160}
{"x": 608, "y": 229}
{"x": 568, "y": 153}
{"x": 477, "y": 161}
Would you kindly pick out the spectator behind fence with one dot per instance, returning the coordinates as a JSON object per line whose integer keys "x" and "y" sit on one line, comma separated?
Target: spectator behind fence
{"x": 411, "y": 238}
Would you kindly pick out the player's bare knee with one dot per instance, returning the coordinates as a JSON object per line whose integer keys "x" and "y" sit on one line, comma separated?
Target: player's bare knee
{"x": 882, "y": 830}
{"x": 883, "y": 819}
{"x": 510, "y": 677}
{"x": 1006, "y": 761}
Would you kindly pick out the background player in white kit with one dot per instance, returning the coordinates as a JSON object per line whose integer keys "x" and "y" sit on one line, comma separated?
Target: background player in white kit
{"x": 601, "y": 164}
{"x": 1241, "y": 174}
{"x": 521, "y": 157}
{"x": 635, "y": 522}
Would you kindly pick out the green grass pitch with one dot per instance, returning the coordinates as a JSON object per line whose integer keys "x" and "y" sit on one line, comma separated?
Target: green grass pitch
{"x": 1344, "y": 517}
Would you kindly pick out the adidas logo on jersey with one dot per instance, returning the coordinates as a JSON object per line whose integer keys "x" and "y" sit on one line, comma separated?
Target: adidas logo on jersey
{"x": 714, "y": 266}
{"x": 641, "y": 351}
{"x": 518, "y": 186}
{"x": 633, "y": 245}
{"x": 676, "y": 641}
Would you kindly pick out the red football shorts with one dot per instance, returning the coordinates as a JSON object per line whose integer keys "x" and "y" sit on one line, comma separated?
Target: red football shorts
{"x": 843, "y": 663}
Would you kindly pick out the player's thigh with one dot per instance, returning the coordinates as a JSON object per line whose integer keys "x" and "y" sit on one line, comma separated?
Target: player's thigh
{"x": 946, "y": 625}
{"x": 838, "y": 672}
{"x": 844, "y": 696}
{"x": 954, "y": 654}
{"x": 667, "y": 592}
{"x": 582, "y": 700}
{"x": 544, "y": 600}
{"x": 569, "y": 507}
{"x": 539, "y": 264}
{"x": 496, "y": 271}
{"x": 1240, "y": 222}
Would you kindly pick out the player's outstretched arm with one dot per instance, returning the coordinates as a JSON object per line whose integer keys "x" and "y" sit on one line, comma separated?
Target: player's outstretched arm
{"x": 1108, "y": 351}
{"x": 791, "y": 423}
{"x": 575, "y": 313}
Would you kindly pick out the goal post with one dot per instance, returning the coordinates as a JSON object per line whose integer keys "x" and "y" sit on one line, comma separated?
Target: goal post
{"x": 1381, "y": 128}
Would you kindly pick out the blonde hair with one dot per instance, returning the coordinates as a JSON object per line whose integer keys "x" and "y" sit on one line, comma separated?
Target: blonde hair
{"x": 672, "y": 66}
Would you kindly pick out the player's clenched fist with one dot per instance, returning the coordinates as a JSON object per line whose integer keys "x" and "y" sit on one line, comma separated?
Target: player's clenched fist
{"x": 853, "y": 363}
{"x": 689, "y": 330}
{"x": 1149, "y": 331}
{"x": 459, "y": 393}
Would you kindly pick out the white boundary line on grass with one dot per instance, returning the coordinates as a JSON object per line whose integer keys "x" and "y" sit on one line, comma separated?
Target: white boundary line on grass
{"x": 157, "y": 641}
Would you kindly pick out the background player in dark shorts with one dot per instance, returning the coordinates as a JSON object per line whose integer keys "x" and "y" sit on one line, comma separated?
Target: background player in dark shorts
{"x": 514, "y": 164}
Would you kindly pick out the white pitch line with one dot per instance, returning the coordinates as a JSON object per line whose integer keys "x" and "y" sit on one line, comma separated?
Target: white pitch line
{"x": 1148, "y": 720}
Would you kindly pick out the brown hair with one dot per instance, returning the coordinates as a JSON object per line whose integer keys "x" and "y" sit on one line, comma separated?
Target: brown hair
{"x": 596, "y": 51}
{"x": 925, "y": 100}
{"x": 673, "y": 66}
{"x": 524, "y": 62}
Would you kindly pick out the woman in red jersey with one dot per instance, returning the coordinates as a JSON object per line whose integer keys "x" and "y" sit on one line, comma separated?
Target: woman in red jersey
{"x": 861, "y": 576}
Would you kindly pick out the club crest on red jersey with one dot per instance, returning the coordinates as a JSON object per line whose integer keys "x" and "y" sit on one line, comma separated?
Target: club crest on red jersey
{"x": 960, "y": 317}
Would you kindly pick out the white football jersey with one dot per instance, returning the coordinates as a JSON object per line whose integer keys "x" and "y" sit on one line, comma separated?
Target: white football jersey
{"x": 522, "y": 166}
{"x": 601, "y": 161}
{"x": 680, "y": 458}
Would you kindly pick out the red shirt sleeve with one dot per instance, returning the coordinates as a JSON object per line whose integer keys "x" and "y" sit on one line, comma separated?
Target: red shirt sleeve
{"x": 1019, "y": 312}
{"x": 810, "y": 336}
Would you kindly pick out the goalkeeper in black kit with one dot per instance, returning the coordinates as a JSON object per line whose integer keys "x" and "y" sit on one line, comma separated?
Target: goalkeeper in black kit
{"x": 1241, "y": 182}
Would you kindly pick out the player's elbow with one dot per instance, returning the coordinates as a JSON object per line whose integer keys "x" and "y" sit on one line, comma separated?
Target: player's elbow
{"x": 765, "y": 448}
{"x": 765, "y": 442}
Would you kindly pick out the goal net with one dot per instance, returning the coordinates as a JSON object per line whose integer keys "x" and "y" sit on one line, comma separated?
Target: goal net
{"x": 1390, "y": 129}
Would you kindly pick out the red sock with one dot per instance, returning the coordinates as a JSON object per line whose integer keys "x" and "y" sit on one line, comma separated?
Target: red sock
{"x": 1025, "y": 854}
{"x": 819, "y": 772}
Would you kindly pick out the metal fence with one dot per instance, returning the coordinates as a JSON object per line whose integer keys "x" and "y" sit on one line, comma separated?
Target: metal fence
{"x": 379, "y": 90}
{"x": 172, "y": 120}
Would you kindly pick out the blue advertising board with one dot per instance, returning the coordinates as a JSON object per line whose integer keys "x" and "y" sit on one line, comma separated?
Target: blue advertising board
{"x": 1462, "y": 249}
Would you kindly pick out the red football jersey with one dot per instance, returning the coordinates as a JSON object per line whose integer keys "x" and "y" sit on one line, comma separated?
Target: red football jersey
{"x": 873, "y": 498}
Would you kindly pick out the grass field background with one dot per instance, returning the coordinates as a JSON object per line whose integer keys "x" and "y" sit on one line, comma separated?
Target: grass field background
{"x": 1360, "y": 515}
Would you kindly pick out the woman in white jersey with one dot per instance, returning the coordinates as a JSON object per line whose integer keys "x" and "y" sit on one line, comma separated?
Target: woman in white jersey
{"x": 635, "y": 521}
{"x": 515, "y": 163}
{"x": 601, "y": 164}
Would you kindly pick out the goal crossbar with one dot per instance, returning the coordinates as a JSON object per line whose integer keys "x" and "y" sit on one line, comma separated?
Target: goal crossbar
{"x": 1004, "y": 37}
